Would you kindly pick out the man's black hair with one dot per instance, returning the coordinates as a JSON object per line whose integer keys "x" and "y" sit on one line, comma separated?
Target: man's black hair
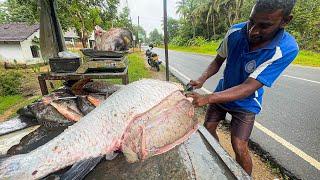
{"x": 273, "y": 5}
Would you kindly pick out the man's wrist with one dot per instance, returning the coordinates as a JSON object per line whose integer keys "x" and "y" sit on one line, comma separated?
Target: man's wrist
{"x": 212, "y": 98}
{"x": 202, "y": 79}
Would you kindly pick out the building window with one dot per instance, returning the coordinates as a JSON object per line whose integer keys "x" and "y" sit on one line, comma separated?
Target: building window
{"x": 35, "y": 51}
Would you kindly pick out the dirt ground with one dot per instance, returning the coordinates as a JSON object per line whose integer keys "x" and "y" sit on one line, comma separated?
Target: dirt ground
{"x": 261, "y": 170}
{"x": 30, "y": 88}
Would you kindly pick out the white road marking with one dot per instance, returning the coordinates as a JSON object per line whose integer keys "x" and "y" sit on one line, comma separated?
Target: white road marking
{"x": 274, "y": 136}
{"x": 288, "y": 145}
{"x": 317, "y": 82}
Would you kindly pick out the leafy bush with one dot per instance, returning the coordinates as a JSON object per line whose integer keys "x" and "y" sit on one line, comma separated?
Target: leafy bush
{"x": 179, "y": 41}
{"x": 10, "y": 83}
{"x": 197, "y": 41}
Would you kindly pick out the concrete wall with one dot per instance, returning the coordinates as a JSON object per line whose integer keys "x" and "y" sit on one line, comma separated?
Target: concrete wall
{"x": 19, "y": 51}
{"x": 26, "y": 50}
{"x": 10, "y": 51}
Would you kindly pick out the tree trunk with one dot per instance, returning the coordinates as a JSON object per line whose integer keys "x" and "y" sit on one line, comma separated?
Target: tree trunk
{"x": 193, "y": 27}
{"x": 84, "y": 39}
{"x": 239, "y": 4}
{"x": 84, "y": 42}
{"x": 214, "y": 27}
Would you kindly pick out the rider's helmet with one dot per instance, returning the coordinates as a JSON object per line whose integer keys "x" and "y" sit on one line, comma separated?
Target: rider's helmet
{"x": 151, "y": 45}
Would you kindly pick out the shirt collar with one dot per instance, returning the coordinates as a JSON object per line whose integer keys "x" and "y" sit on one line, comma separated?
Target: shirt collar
{"x": 272, "y": 44}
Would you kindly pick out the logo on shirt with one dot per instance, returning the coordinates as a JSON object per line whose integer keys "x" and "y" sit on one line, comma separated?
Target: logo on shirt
{"x": 251, "y": 66}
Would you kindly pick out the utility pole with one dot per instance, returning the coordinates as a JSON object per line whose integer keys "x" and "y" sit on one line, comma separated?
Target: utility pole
{"x": 138, "y": 33}
{"x": 165, "y": 29}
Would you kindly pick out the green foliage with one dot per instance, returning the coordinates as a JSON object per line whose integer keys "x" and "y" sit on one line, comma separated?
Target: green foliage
{"x": 178, "y": 41}
{"x": 173, "y": 27}
{"x": 124, "y": 20}
{"x": 197, "y": 41}
{"x": 142, "y": 33}
{"x": 36, "y": 68}
{"x": 212, "y": 18}
{"x": 10, "y": 83}
{"x": 155, "y": 37}
{"x": 8, "y": 101}
{"x": 21, "y": 11}
{"x": 306, "y": 24}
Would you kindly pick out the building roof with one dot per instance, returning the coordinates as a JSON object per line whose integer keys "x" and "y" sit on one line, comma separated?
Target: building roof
{"x": 17, "y": 31}
{"x": 71, "y": 33}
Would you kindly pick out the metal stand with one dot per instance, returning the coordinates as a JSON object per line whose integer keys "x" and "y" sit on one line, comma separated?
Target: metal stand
{"x": 74, "y": 76}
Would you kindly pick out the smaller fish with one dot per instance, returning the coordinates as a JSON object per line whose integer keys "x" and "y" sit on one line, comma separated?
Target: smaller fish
{"x": 35, "y": 139}
{"x": 101, "y": 87}
{"x": 95, "y": 99}
{"x": 47, "y": 115}
{"x": 84, "y": 105}
{"x": 77, "y": 88}
{"x": 9, "y": 140}
{"x": 16, "y": 124}
{"x": 67, "y": 112}
{"x": 67, "y": 108}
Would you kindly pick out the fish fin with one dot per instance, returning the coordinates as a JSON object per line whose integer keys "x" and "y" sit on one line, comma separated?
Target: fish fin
{"x": 80, "y": 170}
{"x": 111, "y": 156}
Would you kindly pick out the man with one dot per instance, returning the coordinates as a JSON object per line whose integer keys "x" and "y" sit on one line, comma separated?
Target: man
{"x": 256, "y": 52}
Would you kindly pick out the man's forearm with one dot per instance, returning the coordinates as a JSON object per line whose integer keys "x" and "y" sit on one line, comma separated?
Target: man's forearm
{"x": 212, "y": 69}
{"x": 235, "y": 93}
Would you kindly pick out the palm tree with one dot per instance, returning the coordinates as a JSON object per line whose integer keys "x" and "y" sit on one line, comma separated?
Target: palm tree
{"x": 185, "y": 8}
{"x": 232, "y": 9}
{"x": 211, "y": 8}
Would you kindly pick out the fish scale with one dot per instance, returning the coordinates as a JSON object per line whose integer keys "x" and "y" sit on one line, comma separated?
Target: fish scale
{"x": 98, "y": 133}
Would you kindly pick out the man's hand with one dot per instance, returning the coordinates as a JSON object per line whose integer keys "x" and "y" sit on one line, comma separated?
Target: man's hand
{"x": 196, "y": 84}
{"x": 198, "y": 100}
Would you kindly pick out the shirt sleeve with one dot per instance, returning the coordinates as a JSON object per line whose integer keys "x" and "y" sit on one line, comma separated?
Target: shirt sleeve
{"x": 223, "y": 47}
{"x": 269, "y": 71}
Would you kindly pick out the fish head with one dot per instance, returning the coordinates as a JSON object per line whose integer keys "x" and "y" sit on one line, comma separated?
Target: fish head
{"x": 160, "y": 129}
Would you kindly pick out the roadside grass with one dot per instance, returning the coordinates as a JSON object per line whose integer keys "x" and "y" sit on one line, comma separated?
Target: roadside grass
{"x": 207, "y": 48}
{"x": 137, "y": 69}
{"x": 308, "y": 58}
{"x": 305, "y": 57}
{"x": 22, "y": 104}
{"x": 8, "y": 101}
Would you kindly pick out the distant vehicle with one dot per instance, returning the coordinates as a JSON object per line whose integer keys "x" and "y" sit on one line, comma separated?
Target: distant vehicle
{"x": 153, "y": 58}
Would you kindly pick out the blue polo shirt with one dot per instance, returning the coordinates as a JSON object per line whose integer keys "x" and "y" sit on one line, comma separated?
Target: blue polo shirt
{"x": 265, "y": 64}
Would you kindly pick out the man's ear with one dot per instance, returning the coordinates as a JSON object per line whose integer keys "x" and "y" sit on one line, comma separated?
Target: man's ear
{"x": 286, "y": 20}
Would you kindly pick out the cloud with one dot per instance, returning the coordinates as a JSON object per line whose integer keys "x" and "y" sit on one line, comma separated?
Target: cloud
{"x": 150, "y": 12}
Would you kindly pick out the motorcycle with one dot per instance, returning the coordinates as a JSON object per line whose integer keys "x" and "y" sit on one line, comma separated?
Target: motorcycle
{"x": 153, "y": 58}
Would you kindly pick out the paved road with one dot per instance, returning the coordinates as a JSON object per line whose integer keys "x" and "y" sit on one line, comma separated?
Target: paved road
{"x": 289, "y": 124}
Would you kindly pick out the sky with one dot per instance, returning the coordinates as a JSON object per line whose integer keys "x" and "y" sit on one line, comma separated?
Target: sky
{"x": 150, "y": 12}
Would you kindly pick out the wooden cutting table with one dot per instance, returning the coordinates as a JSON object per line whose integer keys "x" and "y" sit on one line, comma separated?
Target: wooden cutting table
{"x": 75, "y": 76}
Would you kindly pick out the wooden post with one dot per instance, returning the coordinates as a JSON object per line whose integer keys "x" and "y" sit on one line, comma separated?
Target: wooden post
{"x": 43, "y": 85}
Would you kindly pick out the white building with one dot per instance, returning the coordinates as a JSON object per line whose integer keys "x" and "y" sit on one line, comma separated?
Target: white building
{"x": 19, "y": 42}
{"x": 72, "y": 39}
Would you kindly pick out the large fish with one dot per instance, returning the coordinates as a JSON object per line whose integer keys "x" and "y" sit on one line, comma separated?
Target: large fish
{"x": 116, "y": 39}
{"x": 142, "y": 119}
